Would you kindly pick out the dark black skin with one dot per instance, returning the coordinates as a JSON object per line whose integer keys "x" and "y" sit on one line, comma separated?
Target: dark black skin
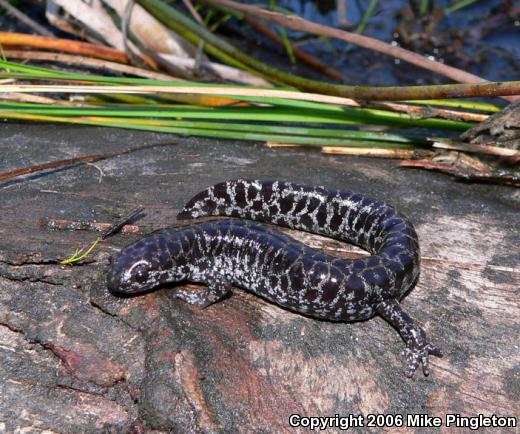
{"x": 227, "y": 253}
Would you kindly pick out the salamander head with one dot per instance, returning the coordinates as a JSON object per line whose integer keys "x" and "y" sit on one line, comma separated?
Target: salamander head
{"x": 141, "y": 267}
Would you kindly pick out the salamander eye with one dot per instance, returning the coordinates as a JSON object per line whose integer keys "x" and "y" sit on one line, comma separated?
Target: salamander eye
{"x": 140, "y": 272}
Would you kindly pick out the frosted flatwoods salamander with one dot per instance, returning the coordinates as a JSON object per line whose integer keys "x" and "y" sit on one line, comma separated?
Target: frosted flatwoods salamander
{"x": 222, "y": 253}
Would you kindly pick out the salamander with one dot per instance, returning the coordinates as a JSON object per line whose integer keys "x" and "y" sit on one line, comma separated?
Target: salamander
{"x": 244, "y": 252}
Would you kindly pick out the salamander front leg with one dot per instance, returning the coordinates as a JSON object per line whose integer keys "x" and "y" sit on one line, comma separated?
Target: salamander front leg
{"x": 213, "y": 293}
{"x": 417, "y": 347}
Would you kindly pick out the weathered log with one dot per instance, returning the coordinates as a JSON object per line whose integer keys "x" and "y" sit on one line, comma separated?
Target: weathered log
{"x": 76, "y": 359}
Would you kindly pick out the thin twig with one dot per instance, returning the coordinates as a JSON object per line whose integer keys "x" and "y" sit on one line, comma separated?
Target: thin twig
{"x": 69, "y": 161}
{"x": 297, "y": 23}
{"x": 127, "y": 15}
{"x": 53, "y": 165}
{"x": 200, "y": 48}
{"x": 464, "y": 174}
{"x": 122, "y": 222}
{"x": 193, "y": 11}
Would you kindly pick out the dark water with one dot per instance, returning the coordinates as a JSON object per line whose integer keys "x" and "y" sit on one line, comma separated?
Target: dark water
{"x": 483, "y": 38}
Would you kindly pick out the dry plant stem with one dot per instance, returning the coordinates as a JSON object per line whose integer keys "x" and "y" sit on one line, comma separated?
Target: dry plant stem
{"x": 298, "y": 52}
{"x": 117, "y": 226}
{"x": 127, "y": 44}
{"x": 200, "y": 48}
{"x": 369, "y": 152}
{"x": 81, "y": 225}
{"x": 372, "y": 93}
{"x": 46, "y": 166}
{"x": 25, "y": 19}
{"x": 193, "y": 11}
{"x": 66, "y": 45}
{"x": 270, "y": 144}
{"x": 25, "y": 97}
{"x": 198, "y": 90}
{"x": 495, "y": 151}
{"x": 87, "y": 61}
{"x": 69, "y": 161}
{"x": 363, "y": 152}
{"x": 300, "y": 24}
{"x": 429, "y": 112}
{"x": 436, "y": 165}
{"x": 464, "y": 174}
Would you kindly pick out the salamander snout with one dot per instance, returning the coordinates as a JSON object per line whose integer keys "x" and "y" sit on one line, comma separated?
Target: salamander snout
{"x": 126, "y": 277}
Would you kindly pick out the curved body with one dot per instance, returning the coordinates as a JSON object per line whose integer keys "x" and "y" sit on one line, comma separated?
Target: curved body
{"x": 275, "y": 266}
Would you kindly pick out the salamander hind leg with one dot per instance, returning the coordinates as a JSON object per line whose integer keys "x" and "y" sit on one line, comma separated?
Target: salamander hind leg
{"x": 418, "y": 348}
{"x": 213, "y": 293}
